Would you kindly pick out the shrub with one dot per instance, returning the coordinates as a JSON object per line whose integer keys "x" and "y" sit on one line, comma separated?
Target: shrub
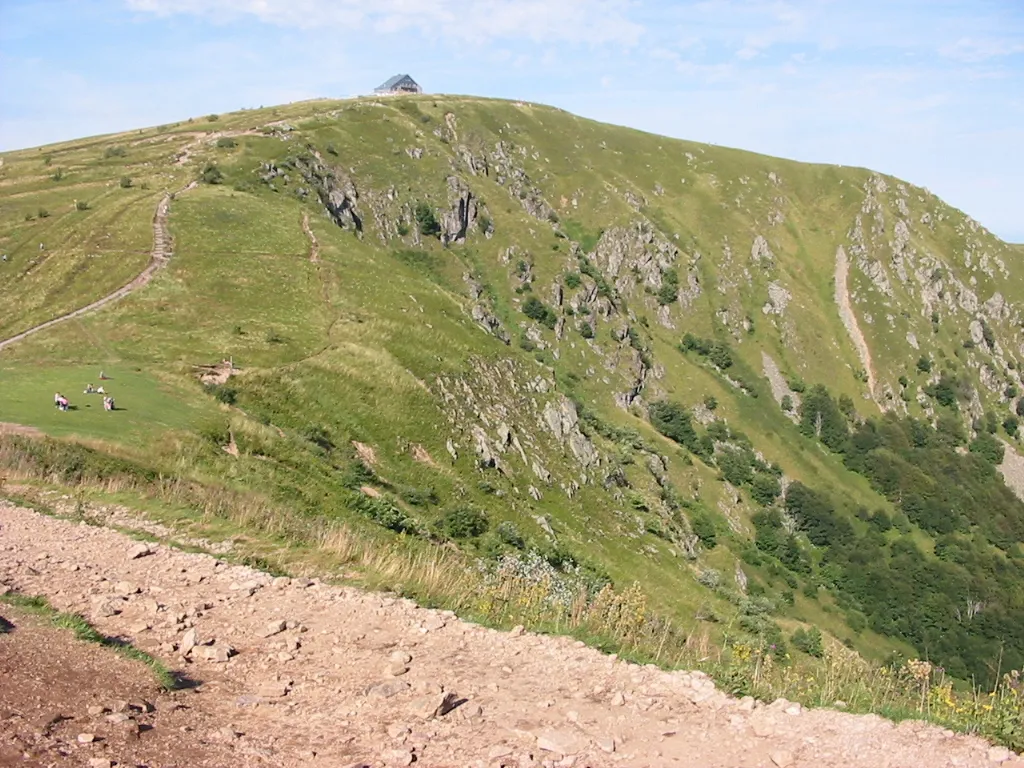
{"x": 704, "y": 528}
{"x": 669, "y": 290}
{"x": 211, "y": 175}
{"x": 484, "y": 224}
{"x": 58, "y": 174}
{"x": 331, "y": 149}
{"x": 573, "y": 280}
{"x": 1019, "y": 407}
{"x": 115, "y": 151}
{"x": 924, "y": 365}
{"x": 587, "y": 331}
{"x": 403, "y": 229}
{"x": 462, "y": 523}
{"x": 426, "y": 221}
{"x": 988, "y": 447}
{"x": 787, "y": 403}
{"x": 43, "y": 213}
{"x": 535, "y": 309}
{"x": 213, "y": 118}
{"x": 673, "y": 421}
{"x": 508, "y": 533}
{"x": 797, "y": 385}
{"x": 126, "y": 182}
{"x": 1011, "y": 424}
{"x": 272, "y": 337}
{"x": 226, "y": 142}
{"x": 808, "y": 641}
{"x": 710, "y": 403}
{"x": 765, "y": 489}
{"x": 222, "y": 393}
{"x": 81, "y": 205}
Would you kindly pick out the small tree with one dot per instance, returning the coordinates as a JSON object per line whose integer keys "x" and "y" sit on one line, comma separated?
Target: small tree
{"x": 81, "y": 205}
{"x": 787, "y": 403}
{"x": 924, "y": 365}
{"x": 809, "y": 641}
{"x": 126, "y": 182}
{"x": 462, "y": 523}
{"x": 226, "y": 142}
{"x": 426, "y": 221}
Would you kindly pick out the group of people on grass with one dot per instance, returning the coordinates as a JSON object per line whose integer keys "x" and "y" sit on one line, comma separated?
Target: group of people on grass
{"x": 61, "y": 402}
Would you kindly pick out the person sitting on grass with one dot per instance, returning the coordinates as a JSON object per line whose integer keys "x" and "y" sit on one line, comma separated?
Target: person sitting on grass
{"x": 62, "y": 403}
{"x": 100, "y": 391}
{"x": 56, "y": 399}
{"x": 88, "y": 389}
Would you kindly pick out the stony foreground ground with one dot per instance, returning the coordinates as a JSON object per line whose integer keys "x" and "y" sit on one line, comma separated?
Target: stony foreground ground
{"x": 289, "y": 672}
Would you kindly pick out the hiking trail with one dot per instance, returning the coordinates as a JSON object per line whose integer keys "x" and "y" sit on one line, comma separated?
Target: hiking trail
{"x": 159, "y": 256}
{"x": 294, "y": 671}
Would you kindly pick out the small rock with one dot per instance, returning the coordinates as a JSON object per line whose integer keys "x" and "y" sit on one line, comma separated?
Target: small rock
{"x": 397, "y": 730}
{"x": 387, "y": 689}
{"x": 762, "y": 729}
{"x": 86, "y": 738}
{"x": 397, "y": 670}
{"x": 606, "y": 744}
{"x": 999, "y": 754}
{"x": 274, "y": 628}
{"x": 100, "y": 762}
{"x": 104, "y": 609}
{"x": 215, "y": 654}
{"x": 793, "y": 709}
{"x": 400, "y": 657}
{"x": 517, "y": 630}
{"x": 119, "y": 717}
{"x": 125, "y": 588}
{"x": 96, "y": 709}
{"x": 139, "y": 550}
{"x": 188, "y": 641}
{"x": 398, "y": 757}
{"x": 274, "y": 689}
{"x": 432, "y": 623}
{"x": 117, "y": 705}
{"x": 139, "y": 627}
{"x": 433, "y": 705}
{"x": 782, "y": 758}
{"x": 228, "y": 733}
{"x": 618, "y": 699}
{"x": 284, "y": 656}
{"x": 561, "y": 742}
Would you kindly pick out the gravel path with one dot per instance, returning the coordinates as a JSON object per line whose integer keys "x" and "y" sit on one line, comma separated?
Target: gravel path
{"x": 289, "y": 671}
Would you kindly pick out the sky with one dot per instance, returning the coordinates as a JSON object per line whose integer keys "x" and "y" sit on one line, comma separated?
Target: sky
{"x": 931, "y": 91}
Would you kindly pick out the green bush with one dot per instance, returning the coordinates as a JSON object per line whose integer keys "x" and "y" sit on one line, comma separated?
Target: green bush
{"x": 81, "y": 205}
{"x": 116, "y": 151}
{"x": 126, "y": 182}
{"x": 226, "y": 142}
{"x": 704, "y": 528}
{"x": 462, "y": 523}
{"x": 211, "y": 175}
{"x": 535, "y": 309}
{"x": 587, "y": 331}
{"x": 675, "y": 423}
{"x": 426, "y": 220}
{"x": 924, "y": 365}
{"x": 808, "y": 641}
{"x": 573, "y": 280}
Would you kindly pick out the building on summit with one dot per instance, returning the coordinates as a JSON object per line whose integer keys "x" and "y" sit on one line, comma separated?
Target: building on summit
{"x": 398, "y": 84}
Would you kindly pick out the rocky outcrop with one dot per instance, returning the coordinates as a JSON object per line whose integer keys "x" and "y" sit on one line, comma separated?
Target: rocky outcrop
{"x": 335, "y": 189}
{"x": 456, "y": 222}
{"x": 846, "y": 314}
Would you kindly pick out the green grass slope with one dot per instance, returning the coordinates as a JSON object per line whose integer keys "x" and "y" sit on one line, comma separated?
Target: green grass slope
{"x": 496, "y": 294}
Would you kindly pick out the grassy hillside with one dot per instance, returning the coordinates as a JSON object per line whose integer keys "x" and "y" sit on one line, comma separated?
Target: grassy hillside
{"x": 448, "y": 319}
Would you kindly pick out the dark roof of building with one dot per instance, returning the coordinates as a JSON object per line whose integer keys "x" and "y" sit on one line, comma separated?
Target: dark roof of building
{"x": 395, "y": 81}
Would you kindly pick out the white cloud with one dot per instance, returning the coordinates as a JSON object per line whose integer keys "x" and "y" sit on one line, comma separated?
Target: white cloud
{"x": 594, "y": 22}
{"x": 975, "y": 50}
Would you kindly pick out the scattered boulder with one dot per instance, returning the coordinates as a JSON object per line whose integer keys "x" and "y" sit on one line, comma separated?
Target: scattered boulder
{"x": 434, "y": 705}
{"x": 274, "y": 628}
{"x": 142, "y": 549}
{"x": 561, "y": 742}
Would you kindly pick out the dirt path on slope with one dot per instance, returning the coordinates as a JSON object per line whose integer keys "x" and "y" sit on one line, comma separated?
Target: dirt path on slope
{"x": 159, "y": 257}
{"x": 314, "y": 246}
{"x": 850, "y": 319}
{"x": 288, "y": 669}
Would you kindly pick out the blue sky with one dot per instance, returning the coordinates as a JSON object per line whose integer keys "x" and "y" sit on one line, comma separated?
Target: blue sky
{"x": 929, "y": 90}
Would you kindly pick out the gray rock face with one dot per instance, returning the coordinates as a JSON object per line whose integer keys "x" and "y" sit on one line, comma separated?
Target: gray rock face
{"x": 337, "y": 192}
{"x": 455, "y": 223}
{"x": 759, "y": 251}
